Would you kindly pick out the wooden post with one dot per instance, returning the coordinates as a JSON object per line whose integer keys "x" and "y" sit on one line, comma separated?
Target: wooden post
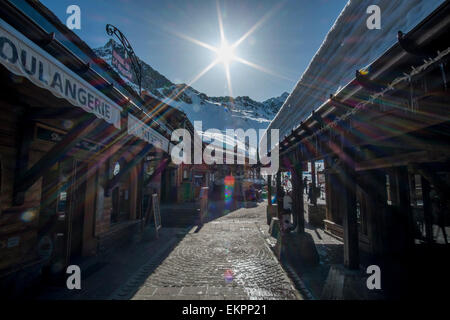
{"x": 297, "y": 193}
{"x": 327, "y": 167}
{"x": 375, "y": 187}
{"x": 349, "y": 221}
{"x": 404, "y": 205}
{"x": 279, "y": 199}
{"x": 297, "y": 201}
{"x": 89, "y": 242}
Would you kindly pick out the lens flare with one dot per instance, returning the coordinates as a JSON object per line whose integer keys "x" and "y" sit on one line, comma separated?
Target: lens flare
{"x": 229, "y": 188}
{"x": 28, "y": 216}
{"x": 228, "y": 275}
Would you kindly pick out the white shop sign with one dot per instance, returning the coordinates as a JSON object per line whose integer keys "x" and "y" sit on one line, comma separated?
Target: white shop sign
{"x": 24, "y": 58}
{"x": 139, "y": 129}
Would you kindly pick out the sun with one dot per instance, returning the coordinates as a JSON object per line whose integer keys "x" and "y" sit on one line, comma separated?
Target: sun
{"x": 225, "y": 53}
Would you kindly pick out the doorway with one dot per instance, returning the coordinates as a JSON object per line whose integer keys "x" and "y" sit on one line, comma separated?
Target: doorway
{"x": 76, "y": 206}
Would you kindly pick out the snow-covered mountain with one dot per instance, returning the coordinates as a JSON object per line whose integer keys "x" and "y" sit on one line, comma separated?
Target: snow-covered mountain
{"x": 215, "y": 112}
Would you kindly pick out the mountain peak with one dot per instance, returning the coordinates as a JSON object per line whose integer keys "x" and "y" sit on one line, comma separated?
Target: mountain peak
{"x": 228, "y": 112}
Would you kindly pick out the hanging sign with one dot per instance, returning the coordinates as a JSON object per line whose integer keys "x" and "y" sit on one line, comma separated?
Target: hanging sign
{"x": 24, "y": 58}
{"x": 122, "y": 65}
{"x": 139, "y": 129}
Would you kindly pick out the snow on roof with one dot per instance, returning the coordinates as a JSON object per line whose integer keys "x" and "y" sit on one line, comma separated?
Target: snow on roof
{"x": 348, "y": 46}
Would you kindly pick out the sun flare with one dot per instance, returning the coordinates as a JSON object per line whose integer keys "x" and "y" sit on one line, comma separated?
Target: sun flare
{"x": 225, "y": 53}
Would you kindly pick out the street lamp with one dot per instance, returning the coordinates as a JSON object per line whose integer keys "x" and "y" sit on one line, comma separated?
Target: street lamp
{"x": 112, "y": 30}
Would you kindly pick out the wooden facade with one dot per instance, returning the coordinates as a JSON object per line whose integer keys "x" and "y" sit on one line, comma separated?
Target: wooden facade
{"x": 71, "y": 184}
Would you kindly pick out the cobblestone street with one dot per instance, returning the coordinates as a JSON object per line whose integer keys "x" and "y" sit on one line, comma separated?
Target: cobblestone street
{"x": 227, "y": 258}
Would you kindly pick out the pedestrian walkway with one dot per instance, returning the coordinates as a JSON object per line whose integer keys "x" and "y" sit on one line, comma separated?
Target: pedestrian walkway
{"x": 104, "y": 274}
{"x": 227, "y": 258}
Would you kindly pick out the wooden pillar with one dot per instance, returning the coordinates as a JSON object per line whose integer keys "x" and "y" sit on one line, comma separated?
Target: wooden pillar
{"x": 269, "y": 190}
{"x": 404, "y": 205}
{"x": 349, "y": 221}
{"x": 133, "y": 193}
{"x": 279, "y": 198}
{"x": 297, "y": 192}
{"x": 89, "y": 243}
{"x": 297, "y": 197}
{"x": 327, "y": 167}
{"x": 375, "y": 187}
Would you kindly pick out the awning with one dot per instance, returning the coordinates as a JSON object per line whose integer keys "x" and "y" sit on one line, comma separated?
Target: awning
{"x": 24, "y": 58}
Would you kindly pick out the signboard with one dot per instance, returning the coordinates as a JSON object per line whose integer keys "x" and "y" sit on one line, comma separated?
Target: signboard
{"x": 24, "y": 58}
{"x": 122, "y": 65}
{"x": 56, "y": 136}
{"x": 156, "y": 212}
{"x": 321, "y": 177}
{"x": 139, "y": 129}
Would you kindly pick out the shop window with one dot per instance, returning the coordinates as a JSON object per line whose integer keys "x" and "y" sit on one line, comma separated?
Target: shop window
{"x": 185, "y": 174}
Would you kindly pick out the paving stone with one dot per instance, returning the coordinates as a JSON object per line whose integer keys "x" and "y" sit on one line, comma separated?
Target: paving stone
{"x": 167, "y": 291}
{"x": 228, "y": 258}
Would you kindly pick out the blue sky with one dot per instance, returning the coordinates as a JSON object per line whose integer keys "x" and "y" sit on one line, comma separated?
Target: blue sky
{"x": 282, "y": 45}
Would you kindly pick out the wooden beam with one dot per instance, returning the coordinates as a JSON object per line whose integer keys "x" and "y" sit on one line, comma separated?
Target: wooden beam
{"x": 401, "y": 160}
{"x": 66, "y": 113}
{"x": 410, "y": 142}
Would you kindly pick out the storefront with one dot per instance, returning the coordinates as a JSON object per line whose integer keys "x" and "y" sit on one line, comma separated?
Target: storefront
{"x": 78, "y": 155}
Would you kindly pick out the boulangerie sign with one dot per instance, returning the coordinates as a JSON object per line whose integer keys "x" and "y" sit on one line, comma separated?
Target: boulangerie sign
{"x": 139, "y": 129}
{"x": 24, "y": 58}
